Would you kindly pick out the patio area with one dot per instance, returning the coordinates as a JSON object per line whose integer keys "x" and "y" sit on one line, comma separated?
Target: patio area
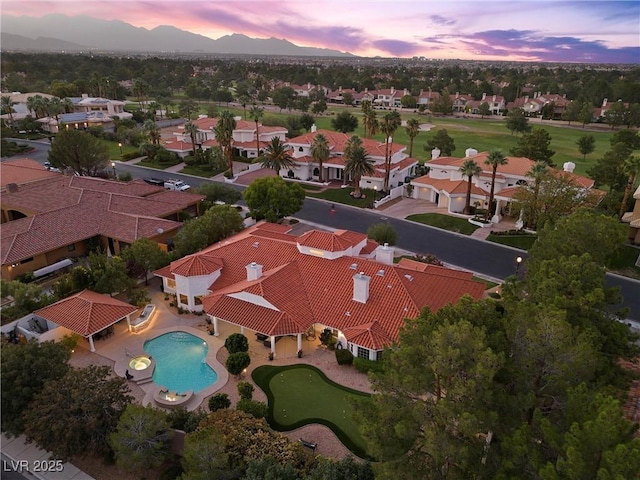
{"x": 116, "y": 351}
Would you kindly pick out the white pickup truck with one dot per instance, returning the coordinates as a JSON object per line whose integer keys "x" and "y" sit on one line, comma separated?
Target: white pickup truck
{"x": 177, "y": 185}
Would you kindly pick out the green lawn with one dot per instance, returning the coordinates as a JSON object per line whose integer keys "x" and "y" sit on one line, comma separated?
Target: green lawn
{"x": 114, "y": 149}
{"x": 341, "y": 195}
{"x": 301, "y": 394}
{"x": 156, "y": 165}
{"x": 523, "y": 242}
{"x": 453, "y": 224}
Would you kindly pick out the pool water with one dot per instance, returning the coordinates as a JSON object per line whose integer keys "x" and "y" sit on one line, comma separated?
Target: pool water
{"x": 180, "y": 362}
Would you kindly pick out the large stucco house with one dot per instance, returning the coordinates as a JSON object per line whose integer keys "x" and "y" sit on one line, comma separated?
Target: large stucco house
{"x": 306, "y": 168}
{"x": 275, "y": 284}
{"x": 445, "y": 185}
{"x": 244, "y": 137}
{"x": 633, "y": 219}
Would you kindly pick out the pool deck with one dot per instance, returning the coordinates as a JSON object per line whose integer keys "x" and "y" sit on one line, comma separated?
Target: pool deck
{"x": 117, "y": 350}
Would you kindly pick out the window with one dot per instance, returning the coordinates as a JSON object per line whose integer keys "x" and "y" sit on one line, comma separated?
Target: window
{"x": 300, "y": 149}
{"x": 183, "y": 299}
{"x": 197, "y": 300}
{"x": 363, "y": 353}
{"x": 71, "y": 247}
{"x": 171, "y": 283}
{"x": 379, "y": 355}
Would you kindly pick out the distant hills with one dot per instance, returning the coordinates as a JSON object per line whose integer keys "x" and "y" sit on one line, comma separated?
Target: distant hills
{"x": 56, "y": 32}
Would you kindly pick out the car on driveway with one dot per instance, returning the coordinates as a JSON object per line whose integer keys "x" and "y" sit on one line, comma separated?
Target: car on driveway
{"x": 154, "y": 181}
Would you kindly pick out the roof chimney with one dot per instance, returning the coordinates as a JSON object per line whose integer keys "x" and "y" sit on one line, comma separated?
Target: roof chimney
{"x": 484, "y": 96}
{"x": 384, "y": 254}
{"x": 314, "y": 128}
{"x": 361, "y": 287}
{"x": 435, "y": 153}
{"x": 569, "y": 167}
{"x": 254, "y": 271}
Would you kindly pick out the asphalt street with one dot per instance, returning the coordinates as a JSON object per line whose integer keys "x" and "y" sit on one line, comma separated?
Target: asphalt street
{"x": 488, "y": 259}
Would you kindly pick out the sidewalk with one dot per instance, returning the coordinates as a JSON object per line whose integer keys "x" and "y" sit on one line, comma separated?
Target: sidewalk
{"x": 31, "y": 461}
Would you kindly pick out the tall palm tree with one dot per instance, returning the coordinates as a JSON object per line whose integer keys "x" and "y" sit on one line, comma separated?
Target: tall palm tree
{"x": 357, "y": 165}
{"x": 67, "y": 105}
{"x": 469, "y": 169}
{"x": 36, "y": 105}
{"x": 366, "y": 108}
{"x": 631, "y": 167}
{"x": 191, "y": 129}
{"x": 7, "y": 107}
{"x": 494, "y": 159}
{"x": 390, "y": 123}
{"x": 371, "y": 123}
{"x": 151, "y": 129}
{"x": 537, "y": 171}
{"x": 243, "y": 100}
{"x": 320, "y": 152}
{"x": 277, "y": 156}
{"x": 412, "y": 129}
{"x": 224, "y": 135}
{"x": 256, "y": 114}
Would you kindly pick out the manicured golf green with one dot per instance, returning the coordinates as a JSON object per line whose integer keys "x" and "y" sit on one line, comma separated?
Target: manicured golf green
{"x": 301, "y": 394}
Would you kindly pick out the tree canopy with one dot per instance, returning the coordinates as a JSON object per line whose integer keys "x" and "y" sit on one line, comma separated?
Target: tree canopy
{"x": 442, "y": 141}
{"x": 344, "y": 122}
{"x": 76, "y": 413}
{"x": 79, "y": 151}
{"x": 535, "y": 146}
{"x": 272, "y": 199}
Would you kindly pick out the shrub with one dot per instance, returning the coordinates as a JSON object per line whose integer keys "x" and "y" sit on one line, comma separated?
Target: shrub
{"x": 331, "y": 343}
{"x": 245, "y": 390}
{"x": 344, "y": 357}
{"x": 365, "y": 366}
{"x": 236, "y": 342}
{"x": 252, "y": 407}
{"x": 219, "y": 401}
{"x": 125, "y": 177}
{"x": 237, "y": 362}
{"x": 181, "y": 419}
{"x": 382, "y": 233}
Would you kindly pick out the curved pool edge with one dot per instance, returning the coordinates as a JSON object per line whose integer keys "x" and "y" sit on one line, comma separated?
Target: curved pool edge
{"x": 214, "y": 343}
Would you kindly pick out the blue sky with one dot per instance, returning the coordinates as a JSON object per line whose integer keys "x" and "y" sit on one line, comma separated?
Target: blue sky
{"x": 541, "y": 30}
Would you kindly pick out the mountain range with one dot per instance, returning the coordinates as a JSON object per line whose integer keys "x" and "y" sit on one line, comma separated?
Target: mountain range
{"x": 57, "y": 32}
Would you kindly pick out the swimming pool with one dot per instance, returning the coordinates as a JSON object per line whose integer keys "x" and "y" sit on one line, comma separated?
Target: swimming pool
{"x": 180, "y": 362}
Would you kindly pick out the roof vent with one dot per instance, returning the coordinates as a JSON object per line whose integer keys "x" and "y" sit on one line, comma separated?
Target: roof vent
{"x": 409, "y": 277}
{"x": 256, "y": 244}
{"x": 347, "y": 314}
{"x": 12, "y": 187}
{"x": 380, "y": 273}
{"x": 353, "y": 266}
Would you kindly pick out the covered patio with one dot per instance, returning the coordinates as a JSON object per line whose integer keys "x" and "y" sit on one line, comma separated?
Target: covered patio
{"x": 87, "y": 314}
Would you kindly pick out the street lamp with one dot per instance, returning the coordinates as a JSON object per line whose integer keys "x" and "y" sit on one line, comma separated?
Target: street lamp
{"x": 120, "y": 145}
{"x": 113, "y": 165}
{"x": 375, "y": 193}
{"x": 518, "y": 262}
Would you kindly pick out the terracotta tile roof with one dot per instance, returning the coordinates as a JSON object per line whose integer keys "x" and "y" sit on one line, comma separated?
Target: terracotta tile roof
{"x": 177, "y": 145}
{"x": 410, "y": 264}
{"x": 369, "y": 247}
{"x": 337, "y": 142}
{"x": 297, "y": 290}
{"x": 194, "y": 265}
{"x": 507, "y": 192}
{"x": 370, "y": 335}
{"x": 23, "y": 170}
{"x": 449, "y": 186}
{"x": 86, "y": 205}
{"x": 86, "y": 312}
{"x": 327, "y": 241}
{"x": 631, "y": 407}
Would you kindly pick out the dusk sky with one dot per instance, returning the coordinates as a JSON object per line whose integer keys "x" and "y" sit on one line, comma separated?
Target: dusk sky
{"x": 540, "y": 30}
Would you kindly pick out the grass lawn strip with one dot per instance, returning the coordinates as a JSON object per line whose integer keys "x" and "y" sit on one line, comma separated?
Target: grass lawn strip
{"x": 299, "y": 395}
{"x": 523, "y": 242}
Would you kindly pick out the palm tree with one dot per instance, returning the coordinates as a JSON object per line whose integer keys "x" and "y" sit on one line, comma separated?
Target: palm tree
{"x": 320, "y": 152}
{"x": 224, "y": 135}
{"x": 357, "y": 165}
{"x": 412, "y": 128}
{"x": 632, "y": 168}
{"x": 35, "y": 104}
{"x": 7, "y": 107}
{"x": 371, "y": 122}
{"x": 390, "y": 123}
{"x": 150, "y": 128}
{"x": 469, "y": 169}
{"x": 243, "y": 100}
{"x": 277, "y": 156}
{"x": 366, "y": 108}
{"x": 537, "y": 171}
{"x": 256, "y": 114}
{"x": 67, "y": 105}
{"x": 494, "y": 159}
{"x": 191, "y": 129}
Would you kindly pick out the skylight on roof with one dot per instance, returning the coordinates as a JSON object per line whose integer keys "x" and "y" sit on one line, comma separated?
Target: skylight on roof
{"x": 380, "y": 273}
{"x": 353, "y": 266}
{"x": 409, "y": 277}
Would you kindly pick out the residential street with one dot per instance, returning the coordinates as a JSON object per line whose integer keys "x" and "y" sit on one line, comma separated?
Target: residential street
{"x": 488, "y": 259}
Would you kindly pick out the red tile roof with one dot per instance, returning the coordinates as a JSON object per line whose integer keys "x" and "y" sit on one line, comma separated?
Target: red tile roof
{"x": 87, "y": 312}
{"x": 194, "y": 265}
{"x": 23, "y": 170}
{"x": 86, "y": 205}
{"x": 449, "y": 186}
{"x": 370, "y": 335}
{"x": 297, "y": 290}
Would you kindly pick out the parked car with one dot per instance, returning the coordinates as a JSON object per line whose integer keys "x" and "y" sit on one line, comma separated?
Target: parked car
{"x": 48, "y": 166}
{"x": 154, "y": 181}
{"x": 177, "y": 185}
